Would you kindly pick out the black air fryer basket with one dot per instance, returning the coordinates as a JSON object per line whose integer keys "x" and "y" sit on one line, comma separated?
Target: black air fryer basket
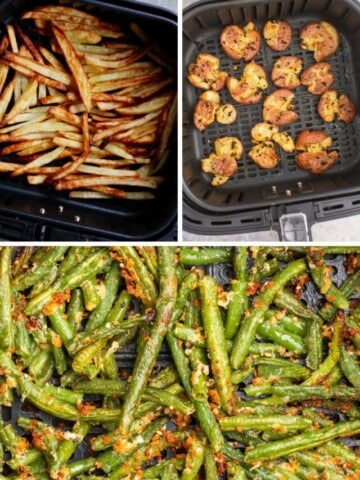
{"x": 40, "y": 213}
{"x": 255, "y": 199}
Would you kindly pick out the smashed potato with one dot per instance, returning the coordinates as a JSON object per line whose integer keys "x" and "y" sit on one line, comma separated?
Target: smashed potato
{"x": 318, "y": 78}
{"x": 321, "y": 38}
{"x": 285, "y": 72}
{"x": 264, "y": 155}
{"x": 229, "y": 146}
{"x": 247, "y": 90}
{"x": 315, "y": 158}
{"x": 317, "y": 162}
{"x": 241, "y": 43}
{"x": 277, "y": 34}
{"x": 285, "y": 141}
{"x": 205, "y": 73}
{"x": 262, "y": 132}
{"x": 277, "y": 108}
{"x": 221, "y": 166}
{"x": 226, "y": 114}
{"x": 205, "y": 109}
{"x": 333, "y": 106}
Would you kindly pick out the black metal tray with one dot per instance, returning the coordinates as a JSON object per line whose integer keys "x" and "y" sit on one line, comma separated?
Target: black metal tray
{"x": 101, "y": 219}
{"x": 251, "y": 187}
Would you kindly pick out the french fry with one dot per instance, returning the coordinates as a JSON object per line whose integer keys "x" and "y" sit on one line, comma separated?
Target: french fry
{"x": 5, "y": 97}
{"x": 166, "y": 129}
{"x": 75, "y": 66}
{"x": 40, "y": 161}
{"x": 86, "y": 181}
{"x": 102, "y": 192}
{"x": 25, "y": 101}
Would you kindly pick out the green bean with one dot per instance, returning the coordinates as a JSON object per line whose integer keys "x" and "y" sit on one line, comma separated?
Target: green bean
{"x": 149, "y": 255}
{"x": 21, "y": 260}
{"x": 281, "y": 368}
{"x": 111, "y": 285}
{"x": 254, "y": 422}
{"x": 281, "y": 336}
{"x": 119, "y": 309}
{"x": 338, "y": 449}
{"x": 23, "y": 342}
{"x": 169, "y": 472}
{"x": 136, "y": 273}
{"x": 321, "y": 276}
{"x": 285, "y": 300}
{"x": 42, "y": 366}
{"x": 216, "y": 344}
{"x": 48, "y": 443}
{"x": 238, "y": 301}
{"x": 91, "y": 293}
{"x": 193, "y": 460}
{"x": 204, "y": 256}
{"x": 302, "y": 441}
{"x": 350, "y": 366}
{"x": 348, "y": 288}
{"x": 73, "y": 256}
{"x": 291, "y": 393}
{"x": 240, "y": 376}
{"x": 313, "y": 342}
{"x": 6, "y": 325}
{"x": 167, "y": 399}
{"x": 211, "y": 472}
{"x": 45, "y": 282}
{"x": 34, "y": 275}
{"x": 74, "y": 277}
{"x": 334, "y": 354}
{"x": 247, "y": 330}
{"x": 58, "y": 352}
{"x": 164, "y": 310}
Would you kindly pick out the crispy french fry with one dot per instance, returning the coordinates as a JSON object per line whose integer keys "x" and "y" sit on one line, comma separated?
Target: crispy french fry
{"x": 40, "y": 161}
{"x": 25, "y": 101}
{"x": 75, "y": 66}
{"x": 166, "y": 129}
{"x": 103, "y": 192}
{"x": 82, "y": 181}
{"x": 5, "y": 97}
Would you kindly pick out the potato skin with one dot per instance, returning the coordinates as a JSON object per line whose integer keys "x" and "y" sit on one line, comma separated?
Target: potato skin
{"x": 306, "y": 138}
{"x": 230, "y": 146}
{"x": 320, "y": 37}
{"x": 277, "y": 34}
{"x": 316, "y": 162}
{"x": 226, "y": 114}
{"x": 241, "y": 43}
{"x": 262, "y": 132}
{"x": 318, "y": 78}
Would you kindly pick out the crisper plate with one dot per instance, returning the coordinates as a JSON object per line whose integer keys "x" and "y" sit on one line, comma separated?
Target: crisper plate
{"x": 252, "y": 187}
{"x": 112, "y": 219}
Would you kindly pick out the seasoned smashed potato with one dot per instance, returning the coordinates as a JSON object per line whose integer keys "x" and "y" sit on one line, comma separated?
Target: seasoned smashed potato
{"x": 221, "y": 166}
{"x": 247, "y": 90}
{"x": 226, "y": 114}
{"x": 264, "y": 155}
{"x": 277, "y": 108}
{"x": 285, "y": 72}
{"x": 285, "y": 141}
{"x": 241, "y": 43}
{"x": 321, "y": 38}
{"x": 262, "y": 132}
{"x": 205, "y": 109}
{"x": 277, "y": 34}
{"x": 315, "y": 158}
{"x": 205, "y": 73}
{"x": 318, "y": 78}
{"x": 333, "y": 106}
{"x": 228, "y": 146}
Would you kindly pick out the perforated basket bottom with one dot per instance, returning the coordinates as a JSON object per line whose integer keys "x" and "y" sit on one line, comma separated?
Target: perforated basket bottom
{"x": 199, "y": 145}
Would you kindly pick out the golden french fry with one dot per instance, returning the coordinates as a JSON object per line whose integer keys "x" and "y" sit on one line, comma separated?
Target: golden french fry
{"x": 103, "y": 192}
{"x": 12, "y": 37}
{"x": 6, "y": 96}
{"x": 25, "y": 101}
{"x": 75, "y": 66}
{"x": 93, "y": 160}
{"x": 40, "y": 161}
{"x": 123, "y": 127}
{"x": 17, "y": 147}
{"x": 32, "y": 65}
{"x": 64, "y": 115}
{"x": 166, "y": 129}
{"x": 149, "y": 106}
{"x": 51, "y": 59}
{"x": 82, "y": 181}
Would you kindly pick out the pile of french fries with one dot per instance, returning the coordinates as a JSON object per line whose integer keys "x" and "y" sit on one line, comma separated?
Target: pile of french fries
{"x": 85, "y": 106}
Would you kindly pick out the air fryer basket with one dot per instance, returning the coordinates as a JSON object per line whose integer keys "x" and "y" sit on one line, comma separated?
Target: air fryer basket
{"x": 63, "y": 218}
{"x": 251, "y": 187}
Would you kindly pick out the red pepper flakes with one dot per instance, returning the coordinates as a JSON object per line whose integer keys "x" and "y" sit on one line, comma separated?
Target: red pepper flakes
{"x": 57, "y": 300}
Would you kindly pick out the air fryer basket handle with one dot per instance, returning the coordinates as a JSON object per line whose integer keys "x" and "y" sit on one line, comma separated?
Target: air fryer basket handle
{"x": 294, "y": 227}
